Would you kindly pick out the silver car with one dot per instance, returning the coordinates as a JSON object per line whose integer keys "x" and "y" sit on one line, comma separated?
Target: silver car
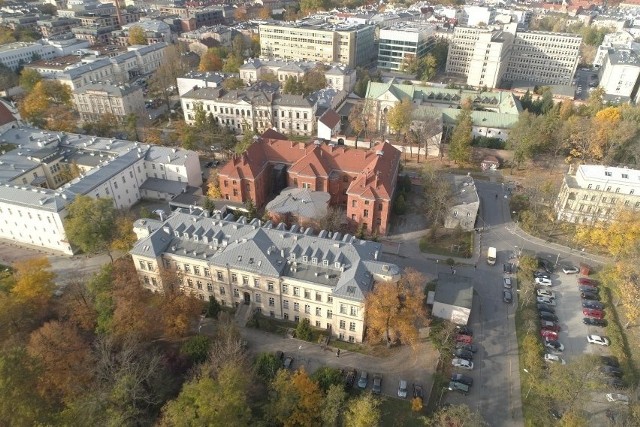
{"x": 402, "y": 389}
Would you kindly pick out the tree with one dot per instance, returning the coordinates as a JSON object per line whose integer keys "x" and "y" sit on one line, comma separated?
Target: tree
{"x": 233, "y": 64}
{"x": 246, "y": 141}
{"x": 399, "y": 116}
{"x": 437, "y": 196}
{"x": 29, "y": 78}
{"x": 213, "y": 308}
{"x": 456, "y": 416}
{"x": 104, "y": 126}
{"x": 210, "y": 61}
{"x": 252, "y": 211}
{"x": 91, "y": 224}
{"x": 196, "y": 348}
{"x": 48, "y": 105}
{"x": 238, "y": 46}
{"x": 33, "y": 282}
{"x": 65, "y": 358}
{"x": 294, "y": 399}
{"x": 310, "y": 6}
{"x": 179, "y": 310}
{"x": 292, "y": 86}
{"x": 303, "y": 330}
{"x": 313, "y": 81}
{"x": 394, "y": 310}
{"x": 361, "y": 118}
{"x": 266, "y": 366}
{"x": 333, "y": 220}
{"x": 363, "y": 411}
{"x": 8, "y": 78}
{"x": 213, "y": 190}
{"x": 264, "y": 13}
{"x": 233, "y": 83}
{"x": 153, "y": 136}
{"x": 124, "y": 238}
{"x": 240, "y": 14}
{"x": 462, "y": 136}
{"x": 137, "y": 36}
{"x": 48, "y": 9}
{"x": 174, "y": 64}
{"x": 334, "y": 404}
{"x": 326, "y": 377}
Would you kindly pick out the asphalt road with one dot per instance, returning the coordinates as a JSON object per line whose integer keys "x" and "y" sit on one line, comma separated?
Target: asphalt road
{"x": 582, "y": 80}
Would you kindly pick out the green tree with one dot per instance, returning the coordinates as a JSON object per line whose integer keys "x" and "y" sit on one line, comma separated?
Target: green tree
{"x": 91, "y": 224}
{"x": 252, "y": 211}
{"x": 266, "y": 366}
{"x": 462, "y": 137}
{"x": 213, "y": 308}
{"x": 245, "y": 142}
{"x": 313, "y": 81}
{"x": 137, "y": 36}
{"x": 238, "y": 46}
{"x": 8, "y": 78}
{"x": 233, "y": 83}
{"x": 196, "y": 348}
{"x": 334, "y": 405}
{"x": 456, "y": 415}
{"x": 326, "y": 376}
{"x": 363, "y": 411}
{"x": 232, "y": 64}
{"x": 29, "y": 78}
{"x": 292, "y": 86}
{"x": 303, "y": 330}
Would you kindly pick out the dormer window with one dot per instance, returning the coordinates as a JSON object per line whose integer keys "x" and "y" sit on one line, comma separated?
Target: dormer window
{"x": 305, "y": 258}
{"x": 177, "y": 233}
{"x": 607, "y": 173}
{"x": 185, "y": 235}
{"x": 314, "y": 260}
{"x": 337, "y": 265}
{"x": 325, "y": 262}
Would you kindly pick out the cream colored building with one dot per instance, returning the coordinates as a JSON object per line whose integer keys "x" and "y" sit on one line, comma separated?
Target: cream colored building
{"x": 594, "y": 193}
{"x": 93, "y": 101}
{"x": 314, "y": 40}
{"x": 252, "y": 109}
{"x": 288, "y": 274}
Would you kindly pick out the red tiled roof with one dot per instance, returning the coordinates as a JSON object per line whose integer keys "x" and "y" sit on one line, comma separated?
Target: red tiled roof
{"x": 6, "y": 116}
{"x": 330, "y": 118}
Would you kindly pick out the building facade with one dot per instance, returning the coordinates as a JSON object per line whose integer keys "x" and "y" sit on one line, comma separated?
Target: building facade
{"x": 314, "y": 40}
{"x": 401, "y": 43}
{"x": 363, "y": 182}
{"x": 93, "y": 101}
{"x": 252, "y": 109}
{"x": 288, "y": 274}
{"x": 597, "y": 193}
{"x": 15, "y": 55}
{"x": 619, "y": 74}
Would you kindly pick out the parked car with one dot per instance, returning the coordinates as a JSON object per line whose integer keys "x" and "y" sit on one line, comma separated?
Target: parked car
{"x": 611, "y": 371}
{"x": 546, "y": 300}
{"x": 463, "y": 354}
{"x": 507, "y": 296}
{"x": 459, "y": 387}
{"x": 545, "y": 307}
{"x": 464, "y": 339}
{"x": 469, "y": 347}
{"x": 552, "y": 326}
{"x": 507, "y": 282}
{"x": 570, "y": 269}
{"x": 541, "y": 274}
{"x": 545, "y": 293}
{"x": 350, "y": 379}
{"x": 589, "y": 288}
{"x": 552, "y": 358}
{"x": 509, "y": 268}
{"x": 592, "y": 312}
{"x": 617, "y": 397}
{"x": 402, "y": 389}
{"x": 460, "y": 378}
{"x": 288, "y": 362}
{"x": 554, "y": 345}
{"x": 545, "y": 315}
{"x": 594, "y": 322}
{"x": 376, "y": 388}
{"x": 546, "y": 265}
{"x": 464, "y": 330}
{"x": 363, "y": 380}
{"x": 597, "y": 339}
{"x": 212, "y": 164}
{"x": 593, "y": 304}
{"x": 543, "y": 281}
{"x": 614, "y": 382}
{"x": 550, "y": 335}
{"x": 462, "y": 363}
{"x": 590, "y": 296}
{"x": 585, "y": 281}
{"x": 418, "y": 392}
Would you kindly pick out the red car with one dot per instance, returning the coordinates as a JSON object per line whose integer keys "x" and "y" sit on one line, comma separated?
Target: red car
{"x": 585, "y": 281}
{"x": 592, "y": 312}
{"x": 464, "y": 339}
{"x": 550, "y": 326}
{"x": 549, "y": 335}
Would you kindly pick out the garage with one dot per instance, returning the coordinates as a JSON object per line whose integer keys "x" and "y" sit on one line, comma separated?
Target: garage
{"x": 453, "y": 298}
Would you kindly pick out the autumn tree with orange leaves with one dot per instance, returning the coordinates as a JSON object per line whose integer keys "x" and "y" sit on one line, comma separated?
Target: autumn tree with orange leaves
{"x": 295, "y": 399}
{"x": 396, "y": 310}
{"x": 48, "y": 106}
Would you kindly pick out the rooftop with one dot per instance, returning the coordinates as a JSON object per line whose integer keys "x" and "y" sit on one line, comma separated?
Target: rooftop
{"x": 454, "y": 289}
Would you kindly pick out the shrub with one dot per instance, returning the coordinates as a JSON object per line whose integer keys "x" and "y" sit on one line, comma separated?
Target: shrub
{"x": 304, "y": 331}
{"x": 213, "y": 308}
{"x": 400, "y": 206}
{"x": 266, "y": 366}
{"x": 196, "y": 348}
{"x": 488, "y": 142}
{"x": 326, "y": 376}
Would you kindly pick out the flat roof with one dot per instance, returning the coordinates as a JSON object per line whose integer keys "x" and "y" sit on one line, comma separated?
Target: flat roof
{"x": 454, "y": 289}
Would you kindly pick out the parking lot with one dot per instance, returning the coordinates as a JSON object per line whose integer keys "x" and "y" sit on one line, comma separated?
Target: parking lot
{"x": 584, "y": 81}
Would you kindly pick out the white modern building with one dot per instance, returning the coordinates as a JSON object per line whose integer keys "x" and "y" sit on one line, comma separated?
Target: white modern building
{"x": 619, "y": 74}
{"x": 34, "y": 193}
{"x": 618, "y": 40}
{"x": 474, "y": 16}
{"x": 596, "y": 193}
{"x": 197, "y": 79}
{"x": 291, "y": 274}
{"x": 403, "y": 42}
{"x": 15, "y": 55}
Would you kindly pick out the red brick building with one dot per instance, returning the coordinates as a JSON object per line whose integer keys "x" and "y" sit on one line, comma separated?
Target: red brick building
{"x": 361, "y": 181}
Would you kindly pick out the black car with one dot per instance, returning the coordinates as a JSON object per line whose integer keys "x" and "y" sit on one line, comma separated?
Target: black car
{"x": 279, "y": 356}
{"x": 546, "y": 265}
{"x": 469, "y": 347}
{"x": 590, "y": 296}
{"x": 615, "y": 382}
{"x": 545, "y": 307}
{"x": 545, "y": 315}
{"x": 462, "y": 379}
{"x": 507, "y": 296}
{"x": 611, "y": 371}
{"x": 509, "y": 268}
{"x": 590, "y": 289}
{"x": 288, "y": 362}
{"x": 463, "y": 354}
{"x": 609, "y": 361}
{"x": 594, "y": 322}
{"x": 350, "y": 378}
{"x": 418, "y": 392}
{"x": 464, "y": 330}
{"x": 593, "y": 304}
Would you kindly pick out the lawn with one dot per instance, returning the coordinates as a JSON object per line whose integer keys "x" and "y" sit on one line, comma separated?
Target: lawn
{"x": 397, "y": 412}
{"x": 449, "y": 243}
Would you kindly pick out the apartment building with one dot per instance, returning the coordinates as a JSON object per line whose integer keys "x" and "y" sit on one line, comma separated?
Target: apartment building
{"x": 362, "y": 181}
{"x": 315, "y": 40}
{"x": 618, "y": 40}
{"x": 34, "y": 194}
{"x": 402, "y": 42}
{"x": 289, "y": 274}
{"x": 252, "y": 109}
{"x": 15, "y": 55}
{"x": 596, "y": 193}
{"x": 619, "y": 75}
{"x": 94, "y": 100}
{"x": 56, "y": 26}
{"x": 500, "y": 57}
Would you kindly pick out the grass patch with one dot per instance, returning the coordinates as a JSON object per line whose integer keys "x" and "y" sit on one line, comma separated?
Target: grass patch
{"x": 449, "y": 243}
{"x": 270, "y": 324}
{"x": 397, "y": 412}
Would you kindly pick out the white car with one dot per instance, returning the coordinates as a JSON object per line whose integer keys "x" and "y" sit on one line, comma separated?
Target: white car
{"x": 552, "y": 358}
{"x": 545, "y": 293}
{"x": 462, "y": 363}
{"x": 597, "y": 339}
{"x": 617, "y": 397}
{"x": 569, "y": 269}
{"x": 546, "y": 300}
{"x": 402, "y": 389}
{"x": 543, "y": 281}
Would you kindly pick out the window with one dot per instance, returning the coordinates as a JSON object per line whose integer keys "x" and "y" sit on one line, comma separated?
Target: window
{"x": 142, "y": 265}
{"x": 366, "y": 213}
{"x": 187, "y": 268}
{"x": 270, "y": 286}
{"x": 343, "y": 324}
{"x": 307, "y": 308}
{"x": 199, "y": 284}
{"x": 256, "y": 282}
{"x": 307, "y": 294}
{"x": 329, "y": 314}
{"x": 286, "y": 316}
{"x": 318, "y": 296}
{"x": 607, "y": 173}
{"x": 196, "y": 270}
{"x": 318, "y": 324}
{"x": 190, "y": 283}
{"x": 285, "y": 289}
{"x": 296, "y": 319}
{"x": 245, "y": 280}
{"x": 296, "y": 306}
{"x": 285, "y": 304}
{"x": 329, "y": 299}
{"x": 352, "y": 326}
{"x": 219, "y": 275}
{"x": 296, "y": 291}
{"x": 272, "y": 302}
{"x": 207, "y": 273}
{"x": 234, "y": 278}
{"x": 624, "y": 175}
{"x": 222, "y": 290}
{"x": 272, "y": 314}
{"x": 236, "y": 293}
{"x": 343, "y": 309}
{"x": 209, "y": 287}
{"x": 351, "y": 339}
{"x": 318, "y": 311}
{"x": 354, "y": 311}
{"x": 258, "y": 298}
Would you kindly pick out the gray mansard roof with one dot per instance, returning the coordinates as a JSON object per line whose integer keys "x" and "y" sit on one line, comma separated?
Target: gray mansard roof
{"x": 346, "y": 264}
